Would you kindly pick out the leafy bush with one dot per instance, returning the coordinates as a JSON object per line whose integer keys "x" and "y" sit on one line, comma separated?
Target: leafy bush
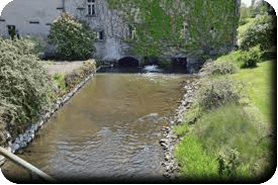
{"x": 74, "y": 77}
{"x": 228, "y": 164}
{"x": 223, "y": 68}
{"x": 24, "y": 83}
{"x": 74, "y": 38}
{"x": 261, "y": 32}
{"x": 217, "y": 92}
{"x": 251, "y": 57}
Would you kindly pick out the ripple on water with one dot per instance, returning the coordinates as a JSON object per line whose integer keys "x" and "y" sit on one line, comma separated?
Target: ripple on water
{"x": 109, "y": 130}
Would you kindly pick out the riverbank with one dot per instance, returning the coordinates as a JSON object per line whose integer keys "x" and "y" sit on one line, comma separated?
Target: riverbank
{"x": 77, "y": 74}
{"x": 170, "y": 139}
{"x": 232, "y": 139}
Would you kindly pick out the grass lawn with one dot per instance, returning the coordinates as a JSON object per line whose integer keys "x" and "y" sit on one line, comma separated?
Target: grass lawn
{"x": 244, "y": 27}
{"x": 259, "y": 88}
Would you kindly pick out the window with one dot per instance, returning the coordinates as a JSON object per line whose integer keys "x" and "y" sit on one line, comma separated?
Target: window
{"x": 12, "y": 31}
{"x": 100, "y": 35}
{"x": 34, "y": 22}
{"x": 91, "y": 7}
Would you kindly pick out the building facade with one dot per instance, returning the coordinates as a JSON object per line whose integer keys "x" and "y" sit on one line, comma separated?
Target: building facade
{"x": 29, "y": 17}
{"x": 34, "y": 17}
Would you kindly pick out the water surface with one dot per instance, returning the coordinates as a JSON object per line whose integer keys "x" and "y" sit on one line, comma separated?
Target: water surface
{"x": 109, "y": 131}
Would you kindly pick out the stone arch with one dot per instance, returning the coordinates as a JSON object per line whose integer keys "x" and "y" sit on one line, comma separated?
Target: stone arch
{"x": 128, "y": 61}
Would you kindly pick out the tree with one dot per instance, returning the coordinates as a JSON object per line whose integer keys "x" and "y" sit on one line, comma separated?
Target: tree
{"x": 74, "y": 38}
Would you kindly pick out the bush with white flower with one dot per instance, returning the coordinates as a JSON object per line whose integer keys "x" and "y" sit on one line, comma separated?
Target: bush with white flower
{"x": 261, "y": 32}
{"x": 74, "y": 38}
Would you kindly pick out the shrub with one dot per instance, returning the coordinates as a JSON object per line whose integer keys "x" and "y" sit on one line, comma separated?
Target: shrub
{"x": 218, "y": 92}
{"x": 24, "y": 83}
{"x": 74, "y": 38}
{"x": 261, "y": 32}
{"x": 251, "y": 57}
{"x": 73, "y": 78}
{"x": 223, "y": 68}
{"x": 227, "y": 165}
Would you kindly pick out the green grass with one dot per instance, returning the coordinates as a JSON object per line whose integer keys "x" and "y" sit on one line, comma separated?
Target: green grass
{"x": 242, "y": 126}
{"x": 259, "y": 87}
{"x": 244, "y": 27}
{"x": 59, "y": 79}
{"x": 218, "y": 131}
{"x": 234, "y": 57}
{"x": 195, "y": 163}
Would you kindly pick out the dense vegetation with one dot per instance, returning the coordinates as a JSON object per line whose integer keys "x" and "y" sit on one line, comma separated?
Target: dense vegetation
{"x": 261, "y": 31}
{"x": 191, "y": 27}
{"x": 26, "y": 87}
{"x": 228, "y": 132}
{"x": 74, "y": 38}
{"x": 24, "y": 83}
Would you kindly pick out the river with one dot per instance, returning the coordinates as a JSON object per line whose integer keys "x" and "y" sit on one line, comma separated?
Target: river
{"x": 109, "y": 131}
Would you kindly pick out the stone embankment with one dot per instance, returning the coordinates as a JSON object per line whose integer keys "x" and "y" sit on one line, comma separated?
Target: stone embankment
{"x": 170, "y": 139}
{"x": 27, "y": 137}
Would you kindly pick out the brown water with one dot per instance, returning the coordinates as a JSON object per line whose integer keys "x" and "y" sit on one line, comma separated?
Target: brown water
{"x": 109, "y": 131}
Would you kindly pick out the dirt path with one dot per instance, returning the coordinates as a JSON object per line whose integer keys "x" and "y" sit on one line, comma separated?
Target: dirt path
{"x": 62, "y": 67}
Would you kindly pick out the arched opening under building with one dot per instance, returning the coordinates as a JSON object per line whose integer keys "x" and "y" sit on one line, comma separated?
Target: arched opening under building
{"x": 128, "y": 62}
{"x": 182, "y": 62}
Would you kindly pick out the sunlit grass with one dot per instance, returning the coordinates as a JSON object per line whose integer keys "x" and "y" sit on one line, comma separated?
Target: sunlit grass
{"x": 244, "y": 27}
{"x": 196, "y": 165}
{"x": 217, "y": 132}
{"x": 260, "y": 87}
{"x": 244, "y": 126}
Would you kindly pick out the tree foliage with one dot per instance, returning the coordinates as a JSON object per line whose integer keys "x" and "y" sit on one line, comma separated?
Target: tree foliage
{"x": 74, "y": 38}
{"x": 262, "y": 32}
{"x": 182, "y": 26}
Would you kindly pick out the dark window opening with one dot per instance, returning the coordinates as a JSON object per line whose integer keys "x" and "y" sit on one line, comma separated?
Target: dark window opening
{"x": 48, "y": 24}
{"x": 91, "y": 7}
{"x": 2, "y": 20}
{"x": 60, "y": 8}
{"x": 130, "y": 31}
{"x": 100, "y": 35}
{"x": 34, "y": 22}
{"x": 12, "y": 31}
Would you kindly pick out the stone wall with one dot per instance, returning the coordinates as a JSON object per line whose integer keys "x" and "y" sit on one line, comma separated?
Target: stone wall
{"x": 109, "y": 21}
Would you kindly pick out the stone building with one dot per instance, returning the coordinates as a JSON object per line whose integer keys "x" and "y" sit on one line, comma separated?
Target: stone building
{"x": 29, "y": 17}
{"x": 34, "y": 17}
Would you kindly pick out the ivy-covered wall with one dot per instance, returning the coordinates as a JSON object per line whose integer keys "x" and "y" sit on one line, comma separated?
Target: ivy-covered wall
{"x": 188, "y": 28}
